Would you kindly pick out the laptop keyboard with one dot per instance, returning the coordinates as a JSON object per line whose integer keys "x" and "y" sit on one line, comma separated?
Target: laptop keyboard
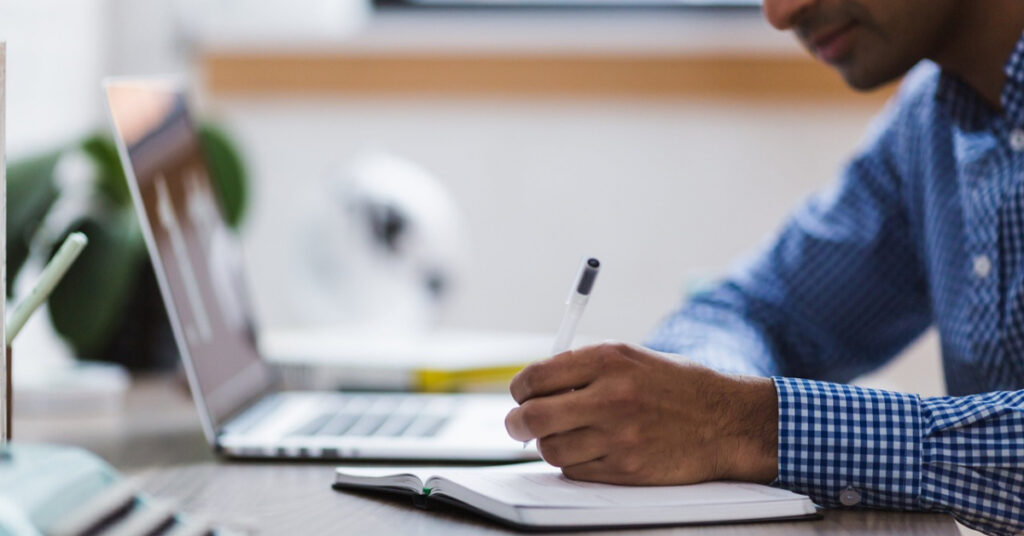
{"x": 378, "y": 416}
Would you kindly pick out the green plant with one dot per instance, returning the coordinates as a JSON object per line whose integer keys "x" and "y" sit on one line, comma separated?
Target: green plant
{"x": 105, "y": 308}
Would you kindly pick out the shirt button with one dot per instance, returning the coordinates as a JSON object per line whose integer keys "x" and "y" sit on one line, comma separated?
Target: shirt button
{"x": 1017, "y": 140}
{"x": 849, "y": 496}
{"x": 982, "y": 266}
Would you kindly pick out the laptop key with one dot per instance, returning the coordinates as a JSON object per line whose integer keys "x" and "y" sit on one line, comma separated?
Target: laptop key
{"x": 339, "y": 424}
{"x": 395, "y": 425}
{"x": 385, "y": 404}
{"x": 367, "y": 424}
{"x": 311, "y": 426}
{"x": 254, "y": 415}
{"x": 435, "y": 427}
{"x": 411, "y": 404}
{"x": 426, "y": 426}
{"x": 357, "y": 404}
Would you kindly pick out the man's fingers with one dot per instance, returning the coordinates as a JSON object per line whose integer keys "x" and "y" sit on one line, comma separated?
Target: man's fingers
{"x": 613, "y": 469}
{"x": 574, "y": 447}
{"x": 546, "y": 415}
{"x": 565, "y": 371}
{"x": 590, "y": 471}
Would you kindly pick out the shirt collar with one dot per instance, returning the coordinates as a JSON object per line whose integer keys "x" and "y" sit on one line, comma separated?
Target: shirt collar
{"x": 965, "y": 106}
{"x": 1013, "y": 92}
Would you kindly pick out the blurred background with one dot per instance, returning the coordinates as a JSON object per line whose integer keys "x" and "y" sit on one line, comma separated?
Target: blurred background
{"x": 666, "y": 140}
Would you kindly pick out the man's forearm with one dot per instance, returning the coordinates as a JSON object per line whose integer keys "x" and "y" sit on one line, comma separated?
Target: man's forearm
{"x": 711, "y": 331}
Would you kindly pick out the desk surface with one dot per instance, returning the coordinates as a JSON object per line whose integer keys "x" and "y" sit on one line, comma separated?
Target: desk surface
{"x": 158, "y": 439}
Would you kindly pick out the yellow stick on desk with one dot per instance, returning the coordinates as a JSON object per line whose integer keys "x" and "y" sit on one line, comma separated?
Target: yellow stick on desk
{"x": 443, "y": 380}
{"x": 52, "y": 274}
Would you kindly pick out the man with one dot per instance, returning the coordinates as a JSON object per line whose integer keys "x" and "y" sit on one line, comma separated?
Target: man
{"x": 924, "y": 227}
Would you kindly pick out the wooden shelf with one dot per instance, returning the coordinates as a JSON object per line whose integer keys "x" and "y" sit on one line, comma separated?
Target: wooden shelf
{"x": 508, "y": 75}
{"x": 662, "y": 55}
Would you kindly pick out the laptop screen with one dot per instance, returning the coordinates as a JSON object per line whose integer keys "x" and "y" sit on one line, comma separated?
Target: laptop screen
{"x": 195, "y": 255}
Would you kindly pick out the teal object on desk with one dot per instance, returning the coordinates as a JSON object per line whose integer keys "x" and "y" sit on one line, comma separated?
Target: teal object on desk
{"x": 40, "y": 484}
{"x": 67, "y": 491}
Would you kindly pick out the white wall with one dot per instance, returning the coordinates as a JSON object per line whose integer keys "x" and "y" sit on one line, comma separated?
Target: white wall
{"x": 659, "y": 191}
{"x": 56, "y": 56}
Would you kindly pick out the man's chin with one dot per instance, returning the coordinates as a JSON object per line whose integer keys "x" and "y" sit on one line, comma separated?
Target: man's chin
{"x": 864, "y": 81}
{"x": 869, "y": 75}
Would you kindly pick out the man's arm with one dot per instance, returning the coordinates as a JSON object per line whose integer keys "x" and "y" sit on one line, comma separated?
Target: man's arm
{"x": 624, "y": 414}
{"x": 838, "y": 292}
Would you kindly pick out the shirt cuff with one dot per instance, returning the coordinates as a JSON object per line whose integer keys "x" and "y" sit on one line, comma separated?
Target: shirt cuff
{"x": 849, "y": 446}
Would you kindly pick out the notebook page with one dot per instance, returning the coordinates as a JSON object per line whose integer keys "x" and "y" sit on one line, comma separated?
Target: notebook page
{"x": 540, "y": 485}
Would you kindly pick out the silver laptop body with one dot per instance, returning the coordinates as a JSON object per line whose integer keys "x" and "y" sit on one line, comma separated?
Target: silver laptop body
{"x": 199, "y": 270}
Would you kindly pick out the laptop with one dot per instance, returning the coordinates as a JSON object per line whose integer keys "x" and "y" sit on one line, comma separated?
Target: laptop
{"x": 198, "y": 266}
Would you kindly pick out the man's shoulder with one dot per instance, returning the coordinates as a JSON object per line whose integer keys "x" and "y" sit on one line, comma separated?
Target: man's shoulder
{"x": 920, "y": 83}
{"x": 915, "y": 104}
{"x": 912, "y": 110}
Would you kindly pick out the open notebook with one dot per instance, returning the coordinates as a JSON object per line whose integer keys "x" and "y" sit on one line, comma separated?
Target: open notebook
{"x": 536, "y": 495}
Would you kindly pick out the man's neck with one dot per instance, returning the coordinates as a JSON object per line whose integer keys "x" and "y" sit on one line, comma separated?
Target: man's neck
{"x": 979, "y": 43}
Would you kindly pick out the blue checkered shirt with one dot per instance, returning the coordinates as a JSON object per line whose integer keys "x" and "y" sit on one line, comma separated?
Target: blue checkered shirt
{"x": 925, "y": 226}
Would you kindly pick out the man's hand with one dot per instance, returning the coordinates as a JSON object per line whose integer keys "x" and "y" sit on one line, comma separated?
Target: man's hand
{"x": 626, "y": 415}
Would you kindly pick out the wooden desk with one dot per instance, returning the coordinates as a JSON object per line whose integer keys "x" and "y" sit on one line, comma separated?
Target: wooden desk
{"x": 158, "y": 439}
{"x": 279, "y": 497}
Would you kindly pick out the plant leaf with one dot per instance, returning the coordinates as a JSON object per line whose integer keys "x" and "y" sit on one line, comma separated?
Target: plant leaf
{"x": 227, "y": 173}
{"x": 86, "y": 307}
{"x": 30, "y": 194}
{"x": 110, "y": 178}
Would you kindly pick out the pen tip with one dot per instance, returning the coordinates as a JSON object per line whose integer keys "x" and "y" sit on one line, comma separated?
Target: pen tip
{"x": 593, "y": 263}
